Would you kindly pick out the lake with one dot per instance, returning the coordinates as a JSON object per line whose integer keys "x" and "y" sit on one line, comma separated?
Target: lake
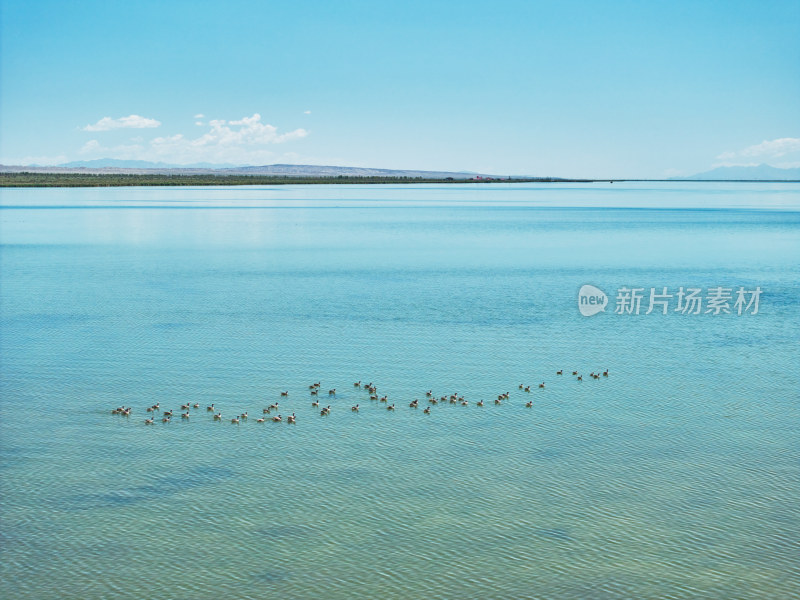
{"x": 675, "y": 476}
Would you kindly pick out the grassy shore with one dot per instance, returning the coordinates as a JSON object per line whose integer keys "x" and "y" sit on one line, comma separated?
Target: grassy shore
{"x": 119, "y": 180}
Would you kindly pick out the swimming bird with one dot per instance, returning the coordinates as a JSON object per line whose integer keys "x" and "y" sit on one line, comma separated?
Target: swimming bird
{"x": 391, "y": 407}
{"x": 167, "y": 413}
{"x": 529, "y": 404}
{"x": 235, "y": 420}
{"x": 541, "y": 385}
{"x": 414, "y": 404}
{"x": 196, "y": 405}
{"x": 605, "y": 373}
{"x": 357, "y": 384}
{"x": 260, "y": 420}
{"x": 499, "y": 400}
{"x": 580, "y": 377}
{"x": 384, "y": 398}
{"x": 284, "y": 393}
{"x": 210, "y": 408}
{"x": 243, "y": 416}
{"x": 480, "y": 403}
{"x": 325, "y": 411}
{"x": 186, "y": 406}
{"x": 574, "y": 372}
{"x": 291, "y": 419}
{"x": 429, "y": 393}
{"x": 528, "y": 388}
{"x": 185, "y": 415}
{"x": 520, "y": 386}
{"x": 354, "y": 408}
{"x": 427, "y": 410}
{"x": 561, "y": 372}
{"x": 218, "y": 416}
{"x": 332, "y": 392}
{"x": 266, "y": 411}
{"x": 273, "y": 406}
{"x": 277, "y": 419}
{"x": 148, "y": 421}
{"x": 314, "y": 392}
{"x": 165, "y": 420}
{"x": 315, "y": 403}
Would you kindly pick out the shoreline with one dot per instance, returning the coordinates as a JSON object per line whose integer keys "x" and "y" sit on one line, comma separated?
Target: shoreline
{"x": 27, "y": 179}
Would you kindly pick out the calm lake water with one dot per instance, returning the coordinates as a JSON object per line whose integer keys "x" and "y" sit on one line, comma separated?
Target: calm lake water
{"x": 678, "y": 476}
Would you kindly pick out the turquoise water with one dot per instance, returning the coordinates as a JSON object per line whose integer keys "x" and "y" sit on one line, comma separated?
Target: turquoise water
{"x": 678, "y": 476}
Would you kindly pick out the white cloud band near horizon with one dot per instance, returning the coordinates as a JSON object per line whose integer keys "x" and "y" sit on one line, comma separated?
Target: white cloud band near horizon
{"x": 767, "y": 152}
{"x": 244, "y": 141}
{"x": 129, "y": 122}
{"x": 766, "y": 149}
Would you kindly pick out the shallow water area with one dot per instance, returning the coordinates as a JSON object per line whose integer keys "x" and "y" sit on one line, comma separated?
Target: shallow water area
{"x": 675, "y": 476}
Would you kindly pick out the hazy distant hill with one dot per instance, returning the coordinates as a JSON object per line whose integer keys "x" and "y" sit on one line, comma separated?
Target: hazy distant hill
{"x": 331, "y": 171}
{"x": 101, "y": 163}
{"x": 109, "y": 165}
{"x": 759, "y": 173}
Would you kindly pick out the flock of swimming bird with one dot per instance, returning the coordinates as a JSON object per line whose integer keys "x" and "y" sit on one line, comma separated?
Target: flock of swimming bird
{"x": 432, "y": 400}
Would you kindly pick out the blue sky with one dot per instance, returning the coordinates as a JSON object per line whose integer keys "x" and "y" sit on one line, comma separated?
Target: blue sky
{"x": 583, "y": 89}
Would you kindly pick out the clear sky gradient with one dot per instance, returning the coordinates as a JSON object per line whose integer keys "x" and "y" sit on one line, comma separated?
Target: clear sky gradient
{"x": 567, "y": 88}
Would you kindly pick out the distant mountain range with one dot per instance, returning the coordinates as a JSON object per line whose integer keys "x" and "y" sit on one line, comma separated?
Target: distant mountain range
{"x": 103, "y": 163}
{"x": 133, "y": 167}
{"x": 756, "y": 173}
{"x": 110, "y": 165}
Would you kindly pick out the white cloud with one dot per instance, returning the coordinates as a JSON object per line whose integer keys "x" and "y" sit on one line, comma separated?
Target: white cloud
{"x": 248, "y": 131}
{"x": 727, "y": 156}
{"x": 244, "y": 141}
{"x": 773, "y": 148}
{"x": 94, "y": 149}
{"x": 131, "y": 121}
{"x": 734, "y": 163}
{"x": 765, "y": 150}
{"x": 308, "y": 112}
{"x": 199, "y": 123}
{"x": 199, "y": 116}
{"x": 90, "y": 146}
